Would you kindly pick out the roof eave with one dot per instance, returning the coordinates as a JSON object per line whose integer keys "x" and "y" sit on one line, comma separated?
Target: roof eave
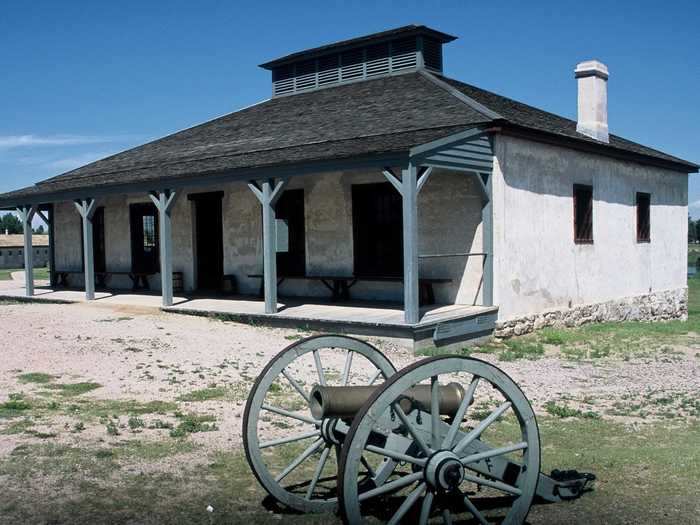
{"x": 391, "y": 158}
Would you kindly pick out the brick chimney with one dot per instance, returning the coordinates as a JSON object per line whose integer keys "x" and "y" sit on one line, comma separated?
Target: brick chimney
{"x": 592, "y": 99}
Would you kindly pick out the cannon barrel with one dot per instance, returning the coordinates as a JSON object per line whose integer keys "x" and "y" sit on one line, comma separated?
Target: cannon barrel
{"x": 344, "y": 401}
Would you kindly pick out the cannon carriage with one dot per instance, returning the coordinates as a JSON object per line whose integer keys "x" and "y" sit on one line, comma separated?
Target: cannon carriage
{"x": 446, "y": 438}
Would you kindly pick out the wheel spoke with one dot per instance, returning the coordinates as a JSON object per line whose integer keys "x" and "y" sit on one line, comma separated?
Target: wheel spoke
{"x": 434, "y": 411}
{"x": 299, "y": 459}
{"x": 296, "y": 385}
{"x": 459, "y": 416}
{"x": 479, "y": 429}
{"x": 319, "y": 368}
{"x": 375, "y": 377}
{"x": 287, "y": 413}
{"x": 291, "y": 439}
{"x": 493, "y": 484}
{"x": 473, "y": 458}
{"x": 346, "y": 370}
{"x": 446, "y": 517}
{"x": 475, "y": 512}
{"x": 425, "y": 509}
{"x": 319, "y": 470}
{"x": 370, "y": 470}
{"x": 407, "y": 504}
{"x": 393, "y": 485}
{"x": 398, "y": 456}
{"x": 411, "y": 429}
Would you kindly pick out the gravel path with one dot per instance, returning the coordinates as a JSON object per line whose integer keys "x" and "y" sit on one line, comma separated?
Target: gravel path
{"x": 145, "y": 355}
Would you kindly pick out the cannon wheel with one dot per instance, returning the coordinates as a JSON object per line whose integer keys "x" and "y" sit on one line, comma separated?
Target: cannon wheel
{"x": 312, "y": 435}
{"x": 439, "y": 455}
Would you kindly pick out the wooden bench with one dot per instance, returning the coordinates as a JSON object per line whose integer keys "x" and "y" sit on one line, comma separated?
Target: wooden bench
{"x": 339, "y": 285}
{"x": 139, "y": 280}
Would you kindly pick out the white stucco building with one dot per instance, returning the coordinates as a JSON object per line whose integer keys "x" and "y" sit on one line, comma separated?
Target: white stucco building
{"x": 371, "y": 183}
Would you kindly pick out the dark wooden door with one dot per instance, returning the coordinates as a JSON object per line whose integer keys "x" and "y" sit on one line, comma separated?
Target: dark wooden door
{"x": 377, "y": 222}
{"x": 143, "y": 221}
{"x": 98, "y": 242}
{"x": 209, "y": 241}
{"x": 290, "y": 214}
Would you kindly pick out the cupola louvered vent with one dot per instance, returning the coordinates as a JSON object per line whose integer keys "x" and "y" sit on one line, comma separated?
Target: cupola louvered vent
{"x": 391, "y": 52}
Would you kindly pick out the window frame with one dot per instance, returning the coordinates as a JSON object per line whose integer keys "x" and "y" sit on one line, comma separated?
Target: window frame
{"x": 577, "y": 238}
{"x": 643, "y": 239}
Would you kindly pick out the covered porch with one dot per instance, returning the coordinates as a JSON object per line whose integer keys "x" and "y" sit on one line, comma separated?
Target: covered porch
{"x": 458, "y": 168}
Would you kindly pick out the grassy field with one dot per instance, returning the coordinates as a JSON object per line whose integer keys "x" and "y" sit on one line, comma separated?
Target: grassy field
{"x": 39, "y": 274}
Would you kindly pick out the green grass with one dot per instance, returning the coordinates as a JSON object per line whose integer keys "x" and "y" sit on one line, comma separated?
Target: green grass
{"x": 193, "y": 423}
{"x": 73, "y": 389}
{"x": 645, "y": 475}
{"x": 205, "y": 394}
{"x": 620, "y": 340}
{"x": 35, "y": 377}
{"x": 39, "y": 274}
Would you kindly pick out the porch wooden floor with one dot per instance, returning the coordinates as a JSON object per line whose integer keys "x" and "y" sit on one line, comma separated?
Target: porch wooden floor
{"x": 356, "y": 317}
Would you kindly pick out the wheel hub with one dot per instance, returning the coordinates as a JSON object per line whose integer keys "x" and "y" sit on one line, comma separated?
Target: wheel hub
{"x": 444, "y": 471}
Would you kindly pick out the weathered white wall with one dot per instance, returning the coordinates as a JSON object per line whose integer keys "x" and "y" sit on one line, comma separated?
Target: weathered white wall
{"x": 537, "y": 265}
{"x": 449, "y": 209}
{"x": 449, "y": 214}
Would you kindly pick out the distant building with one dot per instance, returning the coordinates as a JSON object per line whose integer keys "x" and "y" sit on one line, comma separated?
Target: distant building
{"x": 12, "y": 251}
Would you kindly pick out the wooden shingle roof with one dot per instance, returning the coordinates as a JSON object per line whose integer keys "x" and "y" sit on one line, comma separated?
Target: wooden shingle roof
{"x": 385, "y": 115}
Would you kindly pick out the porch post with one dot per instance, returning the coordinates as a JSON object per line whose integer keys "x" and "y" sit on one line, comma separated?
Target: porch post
{"x": 409, "y": 186}
{"x": 86, "y": 209}
{"x": 487, "y": 239}
{"x": 48, "y": 219}
{"x": 410, "y": 244}
{"x": 164, "y": 201}
{"x": 26, "y": 213}
{"x": 268, "y": 192}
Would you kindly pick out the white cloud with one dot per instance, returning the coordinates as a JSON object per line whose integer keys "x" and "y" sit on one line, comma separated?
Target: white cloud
{"x": 20, "y": 141}
{"x": 694, "y": 204}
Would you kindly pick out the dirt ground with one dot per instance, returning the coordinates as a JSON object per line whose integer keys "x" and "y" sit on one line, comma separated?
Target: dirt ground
{"x": 106, "y": 405}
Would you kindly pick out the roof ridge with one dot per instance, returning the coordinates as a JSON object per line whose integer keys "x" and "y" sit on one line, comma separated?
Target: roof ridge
{"x": 476, "y": 106}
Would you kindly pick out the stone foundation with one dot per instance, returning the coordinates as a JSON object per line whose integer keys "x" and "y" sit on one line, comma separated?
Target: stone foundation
{"x": 658, "y": 306}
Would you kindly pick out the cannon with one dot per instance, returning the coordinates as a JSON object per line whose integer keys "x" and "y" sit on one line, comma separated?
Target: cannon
{"x": 448, "y": 437}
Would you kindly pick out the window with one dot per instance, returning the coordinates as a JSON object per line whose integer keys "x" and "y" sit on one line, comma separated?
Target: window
{"x": 377, "y": 230}
{"x": 583, "y": 214}
{"x": 643, "y": 217}
{"x": 149, "y": 232}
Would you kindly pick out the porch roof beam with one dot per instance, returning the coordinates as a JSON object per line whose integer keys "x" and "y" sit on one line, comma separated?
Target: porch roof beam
{"x": 239, "y": 175}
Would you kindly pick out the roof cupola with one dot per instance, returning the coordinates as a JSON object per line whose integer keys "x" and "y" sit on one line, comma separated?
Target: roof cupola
{"x": 407, "y": 48}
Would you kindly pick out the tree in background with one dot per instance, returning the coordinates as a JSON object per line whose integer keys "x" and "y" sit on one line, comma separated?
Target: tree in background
{"x": 10, "y": 223}
{"x": 39, "y": 230}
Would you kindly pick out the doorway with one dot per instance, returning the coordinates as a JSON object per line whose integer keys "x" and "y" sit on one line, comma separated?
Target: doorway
{"x": 145, "y": 252}
{"x": 377, "y": 223}
{"x": 291, "y": 251}
{"x": 209, "y": 244}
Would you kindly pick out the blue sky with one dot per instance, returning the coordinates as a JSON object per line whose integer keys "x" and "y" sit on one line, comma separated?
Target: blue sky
{"x": 81, "y": 80}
